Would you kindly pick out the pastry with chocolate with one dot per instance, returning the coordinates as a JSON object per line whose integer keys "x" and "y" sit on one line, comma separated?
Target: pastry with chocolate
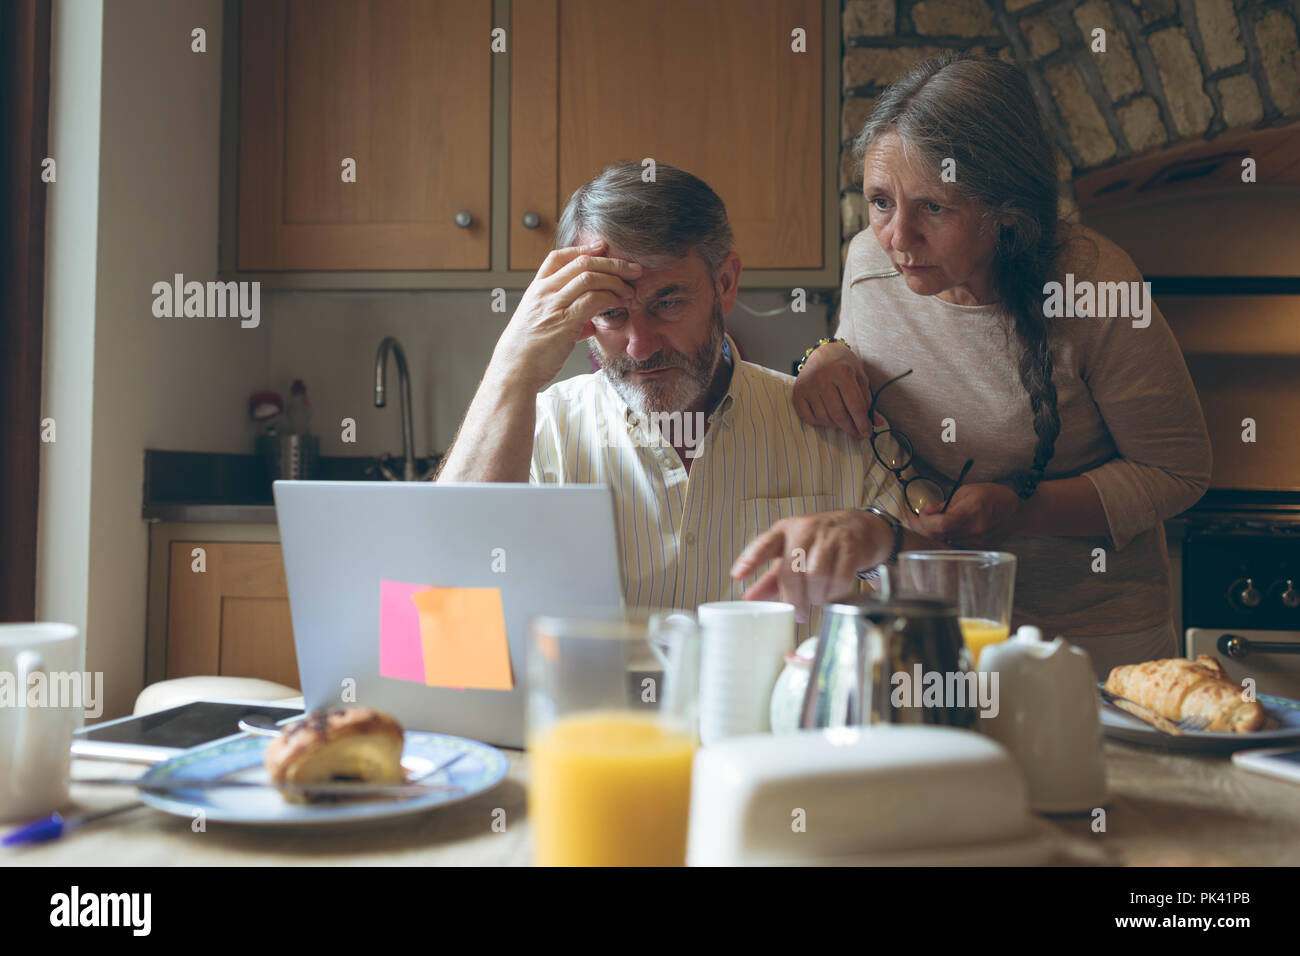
{"x": 357, "y": 743}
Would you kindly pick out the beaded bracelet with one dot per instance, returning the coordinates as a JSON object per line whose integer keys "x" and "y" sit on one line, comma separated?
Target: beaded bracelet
{"x": 804, "y": 361}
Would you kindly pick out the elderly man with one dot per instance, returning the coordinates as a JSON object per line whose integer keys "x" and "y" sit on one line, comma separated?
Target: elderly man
{"x": 704, "y": 451}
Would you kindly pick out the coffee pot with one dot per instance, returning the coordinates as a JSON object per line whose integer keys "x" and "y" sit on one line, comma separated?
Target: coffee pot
{"x": 895, "y": 661}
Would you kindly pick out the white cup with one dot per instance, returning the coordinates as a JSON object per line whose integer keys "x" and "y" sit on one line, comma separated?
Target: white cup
{"x": 36, "y": 741}
{"x": 743, "y": 652}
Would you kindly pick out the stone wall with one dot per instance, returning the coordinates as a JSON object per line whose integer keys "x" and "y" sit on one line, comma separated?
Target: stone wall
{"x": 1172, "y": 70}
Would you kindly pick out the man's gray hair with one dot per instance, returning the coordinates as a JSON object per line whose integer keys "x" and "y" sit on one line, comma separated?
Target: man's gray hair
{"x": 653, "y": 222}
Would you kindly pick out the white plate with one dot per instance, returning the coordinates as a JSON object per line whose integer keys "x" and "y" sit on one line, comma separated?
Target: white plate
{"x": 1124, "y": 726}
{"x": 481, "y": 769}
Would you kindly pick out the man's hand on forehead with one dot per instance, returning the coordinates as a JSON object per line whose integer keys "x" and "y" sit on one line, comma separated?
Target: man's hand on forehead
{"x": 656, "y": 270}
{"x": 572, "y": 287}
{"x": 658, "y": 280}
{"x": 603, "y": 247}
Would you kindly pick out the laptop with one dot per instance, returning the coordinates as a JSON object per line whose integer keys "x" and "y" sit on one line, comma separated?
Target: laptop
{"x": 356, "y": 552}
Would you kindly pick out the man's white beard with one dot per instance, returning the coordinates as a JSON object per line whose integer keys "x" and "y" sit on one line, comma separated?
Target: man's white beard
{"x": 680, "y": 391}
{"x": 669, "y": 396}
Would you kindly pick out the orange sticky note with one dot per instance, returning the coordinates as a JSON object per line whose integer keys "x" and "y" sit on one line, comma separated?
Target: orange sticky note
{"x": 463, "y": 633}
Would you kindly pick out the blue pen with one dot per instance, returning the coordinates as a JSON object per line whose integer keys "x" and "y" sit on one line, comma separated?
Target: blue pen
{"x": 56, "y": 825}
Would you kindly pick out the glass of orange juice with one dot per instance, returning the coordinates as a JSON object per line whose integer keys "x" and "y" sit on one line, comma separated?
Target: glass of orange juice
{"x": 612, "y": 728}
{"x": 979, "y": 584}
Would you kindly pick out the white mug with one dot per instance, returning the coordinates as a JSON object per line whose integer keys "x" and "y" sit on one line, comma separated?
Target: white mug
{"x": 35, "y": 731}
{"x": 743, "y": 652}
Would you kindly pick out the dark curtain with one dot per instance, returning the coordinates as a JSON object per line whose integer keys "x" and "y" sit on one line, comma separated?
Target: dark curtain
{"x": 24, "y": 115}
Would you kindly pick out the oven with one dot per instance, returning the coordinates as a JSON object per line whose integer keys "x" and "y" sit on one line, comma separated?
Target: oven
{"x": 1241, "y": 586}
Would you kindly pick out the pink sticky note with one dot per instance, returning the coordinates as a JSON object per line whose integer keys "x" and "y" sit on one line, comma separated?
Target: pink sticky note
{"x": 401, "y": 651}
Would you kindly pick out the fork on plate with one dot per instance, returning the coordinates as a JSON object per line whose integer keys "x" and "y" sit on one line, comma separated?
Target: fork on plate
{"x": 1192, "y": 724}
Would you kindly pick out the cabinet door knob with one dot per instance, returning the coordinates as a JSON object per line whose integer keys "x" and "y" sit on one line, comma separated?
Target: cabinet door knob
{"x": 464, "y": 219}
{"x": 531, "y": 220}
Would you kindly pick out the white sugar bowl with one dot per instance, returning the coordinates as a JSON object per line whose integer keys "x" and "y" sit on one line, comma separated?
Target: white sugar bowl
{"x": 788, "y": 694}
{"x": 1047, "y": 718}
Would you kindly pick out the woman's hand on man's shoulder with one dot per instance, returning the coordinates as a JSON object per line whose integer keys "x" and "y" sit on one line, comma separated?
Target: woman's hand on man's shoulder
{"x": 833, "y": 390}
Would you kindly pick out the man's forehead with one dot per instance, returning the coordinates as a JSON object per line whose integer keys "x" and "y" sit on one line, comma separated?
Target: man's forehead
{"x": 686, "y": 273}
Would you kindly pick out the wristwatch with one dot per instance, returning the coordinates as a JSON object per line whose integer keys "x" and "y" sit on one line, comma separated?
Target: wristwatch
{"x": 897, "y": 527}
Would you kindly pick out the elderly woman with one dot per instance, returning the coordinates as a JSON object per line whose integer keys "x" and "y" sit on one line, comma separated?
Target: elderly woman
{"x": 1082, "y": 428}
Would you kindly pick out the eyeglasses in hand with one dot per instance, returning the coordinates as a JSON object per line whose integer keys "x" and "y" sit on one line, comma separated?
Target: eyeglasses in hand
{"x": 893, "y": 449}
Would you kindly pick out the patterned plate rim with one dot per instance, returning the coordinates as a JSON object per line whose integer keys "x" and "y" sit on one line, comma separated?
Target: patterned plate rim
{"x": 1267, "y": 699}
{"x": 496, "y": 766}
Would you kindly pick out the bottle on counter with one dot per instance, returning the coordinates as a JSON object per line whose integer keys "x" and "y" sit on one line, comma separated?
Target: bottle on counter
{"x": 299, "y": 448}
{"x": 298, "y": 415}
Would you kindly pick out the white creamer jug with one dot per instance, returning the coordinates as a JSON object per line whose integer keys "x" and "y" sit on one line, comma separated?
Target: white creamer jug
{"x": 1047, "y": 718}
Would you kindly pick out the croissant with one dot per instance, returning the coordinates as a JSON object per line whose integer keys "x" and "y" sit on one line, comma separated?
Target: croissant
{"x": 1177, "y": 687}
{"x": 357, "y": 743}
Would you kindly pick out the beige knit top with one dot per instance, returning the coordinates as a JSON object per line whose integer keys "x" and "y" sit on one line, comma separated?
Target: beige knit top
{"x": 1130, "y": 422}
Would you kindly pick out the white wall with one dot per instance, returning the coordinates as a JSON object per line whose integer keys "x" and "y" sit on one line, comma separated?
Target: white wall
{"x": 67, "y": 385}
{"x": 157, "y": 383}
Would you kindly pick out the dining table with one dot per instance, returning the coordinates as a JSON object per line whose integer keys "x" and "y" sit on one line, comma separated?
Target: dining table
{"x": 1165, "y": 808}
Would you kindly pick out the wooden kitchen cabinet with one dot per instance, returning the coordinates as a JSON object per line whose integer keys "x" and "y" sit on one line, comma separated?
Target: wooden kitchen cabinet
{"x": 715, "y": 88}
{"x": 232, "y": 617}
{"x": 439, "y": 125}
{"x": 403, "y": 89}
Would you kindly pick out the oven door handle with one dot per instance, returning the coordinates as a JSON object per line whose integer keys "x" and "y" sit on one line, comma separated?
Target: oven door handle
{"x": 1239, "y": 648}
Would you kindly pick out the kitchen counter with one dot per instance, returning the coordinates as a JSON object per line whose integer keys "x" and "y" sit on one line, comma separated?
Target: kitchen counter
{"x": 203, "y": 512}
{"x": 203, "y": 487}
{"x": 264, "y": 513}
{"x": 1165, "y": 809}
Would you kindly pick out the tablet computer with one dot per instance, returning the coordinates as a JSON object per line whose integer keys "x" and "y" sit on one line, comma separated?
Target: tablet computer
{"x": 149, "y": 738}
{"x": 1281, "y": 762}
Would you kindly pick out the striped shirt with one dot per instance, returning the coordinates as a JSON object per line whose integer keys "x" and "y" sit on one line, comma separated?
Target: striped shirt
{"x": 679, "y": 533}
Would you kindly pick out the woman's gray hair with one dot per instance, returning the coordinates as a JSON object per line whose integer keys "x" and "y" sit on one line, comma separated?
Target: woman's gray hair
{"x": 653, "y": 222}
{"x": 980, "y": 113}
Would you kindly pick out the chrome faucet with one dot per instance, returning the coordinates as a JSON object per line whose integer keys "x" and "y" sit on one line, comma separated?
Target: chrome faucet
{"x": 391, "y": 344}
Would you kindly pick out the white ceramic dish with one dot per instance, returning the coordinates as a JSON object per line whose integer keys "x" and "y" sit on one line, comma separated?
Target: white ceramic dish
{"x": 1035, "y": 848}
{"x": 887, "y": 795}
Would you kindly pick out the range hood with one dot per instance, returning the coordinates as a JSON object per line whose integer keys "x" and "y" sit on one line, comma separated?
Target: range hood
{"x": 1193, "y": 226}
{"x": 1223, "y": 258}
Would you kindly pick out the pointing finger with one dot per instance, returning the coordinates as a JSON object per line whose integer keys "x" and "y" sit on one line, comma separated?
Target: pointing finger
{"x": 768, "y": 545}
{"x": 765, "y": 587}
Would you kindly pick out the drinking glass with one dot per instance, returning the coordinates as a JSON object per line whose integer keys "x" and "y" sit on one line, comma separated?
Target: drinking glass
{"x": 979, "y": 584}
{"x": 612, "y": 728}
